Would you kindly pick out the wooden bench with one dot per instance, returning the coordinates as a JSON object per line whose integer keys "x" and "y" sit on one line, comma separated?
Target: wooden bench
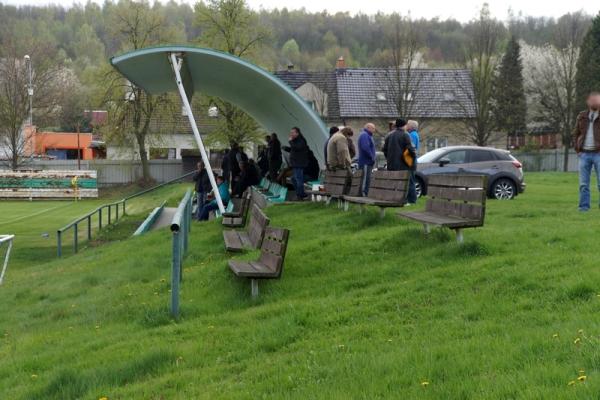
{"x": 454, "y": 202}
{"x": 334, "y": 185}
{"x": 270, "y": 263}
{"x": 387, "y": 189}
{"x": 237, "y": 217}
{"x": 259, "y": 199}
{"x": 250, "y": 239}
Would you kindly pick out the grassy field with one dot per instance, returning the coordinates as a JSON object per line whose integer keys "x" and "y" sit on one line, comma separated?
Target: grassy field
{"x": 366, "y": 309}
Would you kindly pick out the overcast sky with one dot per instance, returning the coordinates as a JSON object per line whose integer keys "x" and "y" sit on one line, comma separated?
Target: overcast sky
{"x": 462, "y": 10}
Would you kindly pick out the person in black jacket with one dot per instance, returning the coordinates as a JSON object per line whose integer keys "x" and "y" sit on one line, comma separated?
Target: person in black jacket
{"x": 262, "y": 160}
{"x": 274, "y": 156}
{"x": 396, "y": 143}
{"x": 202, "y": 186}
{"x": 226, "y": 166}
{"x": 248, "y": 177}
{"x": 299, "y": 160}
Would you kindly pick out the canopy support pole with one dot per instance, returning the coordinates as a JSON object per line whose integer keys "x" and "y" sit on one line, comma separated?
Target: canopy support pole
{"x": 188, "y": 110}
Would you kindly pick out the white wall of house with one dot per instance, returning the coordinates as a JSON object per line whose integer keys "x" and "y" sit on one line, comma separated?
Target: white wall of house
{"x": 174, "y": 142}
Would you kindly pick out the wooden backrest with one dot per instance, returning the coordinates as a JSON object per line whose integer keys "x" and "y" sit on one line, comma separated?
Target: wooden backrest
{"x": 356, "y": 184}
{"x": 389, "y": 186}
{"x": 273, "y": 248}
{"x": 335, "y": 182}
{"x": 259, "y": 199}
{"x": 256, "y": 228}
{"x": 461, "y": 196}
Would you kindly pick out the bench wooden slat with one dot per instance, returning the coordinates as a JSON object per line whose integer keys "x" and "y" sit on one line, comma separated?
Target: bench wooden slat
{"x": 451, "y": 193}
{"x": 457, "y": 180}
{"x": 253, "y": 237}
{"x": 439, "y": 220}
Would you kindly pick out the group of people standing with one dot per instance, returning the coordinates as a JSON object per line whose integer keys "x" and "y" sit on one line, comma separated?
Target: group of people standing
{"x": 240, "y": 172}
{"x": 400, "y": 149}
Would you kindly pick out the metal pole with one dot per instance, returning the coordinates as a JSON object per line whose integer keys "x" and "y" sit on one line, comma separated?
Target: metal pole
{"x": 186, "y": 104}
{"x": 75, "y": 238}
{"x": 89, "y": 221}
{"x": 117, "y": 211}
{"x": 100, "y": 218}
{"x": 109, "y": 216}
{"x": 175, "y": 275}
{"x": 59, "y": 243}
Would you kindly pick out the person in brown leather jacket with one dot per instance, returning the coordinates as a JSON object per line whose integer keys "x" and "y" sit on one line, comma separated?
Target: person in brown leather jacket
{"x": 586, "y": 139}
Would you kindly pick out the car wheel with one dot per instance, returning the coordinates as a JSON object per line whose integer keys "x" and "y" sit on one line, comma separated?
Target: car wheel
{"x": 504, "y": 189}
{"x": 419, "y": 187}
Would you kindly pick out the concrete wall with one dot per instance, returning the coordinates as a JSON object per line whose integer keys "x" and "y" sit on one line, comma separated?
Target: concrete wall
{"x": 114, "y": 172}
{"x": 176, "y": 141}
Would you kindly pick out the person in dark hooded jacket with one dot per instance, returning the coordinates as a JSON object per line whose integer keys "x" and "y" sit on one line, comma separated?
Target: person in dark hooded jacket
{"x": 396, "y": 143}
{"x": 299, "y": 159}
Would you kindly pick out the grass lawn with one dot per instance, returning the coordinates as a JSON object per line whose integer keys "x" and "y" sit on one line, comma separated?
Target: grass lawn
{"x": 366, "y": 309}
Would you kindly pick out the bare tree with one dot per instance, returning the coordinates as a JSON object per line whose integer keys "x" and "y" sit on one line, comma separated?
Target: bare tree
{"x": 478, "y": 95}
{"x": 50, "y": 84}
{"x": 402, "y": 78}
{"x": 550, "y": 79}
{"x": 132, "y": 111}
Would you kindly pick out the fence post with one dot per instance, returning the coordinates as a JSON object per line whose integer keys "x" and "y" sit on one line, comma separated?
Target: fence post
{"x": 109, "y": 216}
{"x": 99, "y": 218}
{"x": 175, "y": 275}
{"x": 117, "y": 212}
{"x": 75, "y": 237}
{"x": 89, "y": 226}
{"x": 124, "y": 211}
{"x": 59, "y": 243}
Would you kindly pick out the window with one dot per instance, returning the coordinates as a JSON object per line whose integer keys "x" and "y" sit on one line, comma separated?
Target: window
{"x": 449, "y": 96}
{"x": 456, "y": 157}
{"x": 381, "y": 96}
{"x": 436, "y": 143}
{"x": 481, "y": 156}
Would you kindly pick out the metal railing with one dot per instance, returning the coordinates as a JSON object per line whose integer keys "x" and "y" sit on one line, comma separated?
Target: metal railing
{"x": 180, "y": 228}
{"x": 6, "y": 239}
{"x": 87, "y": 218}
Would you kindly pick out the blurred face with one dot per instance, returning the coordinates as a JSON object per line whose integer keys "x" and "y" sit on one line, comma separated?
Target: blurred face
{"x": 219, "y": 180}
{"x": 199, "y": 165}
{"x": 370, "y": 128}
{"x": 593, "y": 102}
{"x": 293, "y": 134}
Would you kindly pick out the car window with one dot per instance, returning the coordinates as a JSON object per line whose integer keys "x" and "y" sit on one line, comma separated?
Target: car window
{"x": 457, "y": 156}
{"x": 481, "y": 156}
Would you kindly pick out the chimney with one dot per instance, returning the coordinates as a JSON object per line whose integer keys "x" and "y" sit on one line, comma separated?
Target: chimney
{"x": 290, "y": 67}
{"x": 341, "y": 63}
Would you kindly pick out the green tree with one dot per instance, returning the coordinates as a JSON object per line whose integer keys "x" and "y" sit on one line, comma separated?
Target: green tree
{"x": 509, "y": 93}
{"x": 291, "y": 51}
{"x": 230, "y": 26}
{"x": 588, "y": 64}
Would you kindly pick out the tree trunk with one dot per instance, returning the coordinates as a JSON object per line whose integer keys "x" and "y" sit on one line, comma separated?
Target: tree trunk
{"x": 146, "y": 177}
{"x": 566, "y": 159}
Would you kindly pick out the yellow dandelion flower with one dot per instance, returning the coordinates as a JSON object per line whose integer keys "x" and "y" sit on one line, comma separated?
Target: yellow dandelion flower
{"x": 424, "y": 383}
{"x": 341, "y": 346}
{"x": 211, "y": 327}
{"x": 103, "y": 398}
{"x": 576, "y": 341}
{"x": 34, "y": 376}
{"x": 97, "y": 326}
{"x": 581, "y": 372}
{"x": 389, "y": 340}
{"x": 580, "y": 331}
{"x": 156, "y": 293}
{"x": 555, "y": 335}
{"x": 582, "y": 378}
{"x": 163, "y": 280}
{"x": 571, "y": 383}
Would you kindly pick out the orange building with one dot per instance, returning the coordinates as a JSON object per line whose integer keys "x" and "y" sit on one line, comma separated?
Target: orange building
{"x": 61, "y": 145}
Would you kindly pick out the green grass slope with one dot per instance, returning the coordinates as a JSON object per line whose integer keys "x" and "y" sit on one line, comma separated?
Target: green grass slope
{"x": 366, "y": 309}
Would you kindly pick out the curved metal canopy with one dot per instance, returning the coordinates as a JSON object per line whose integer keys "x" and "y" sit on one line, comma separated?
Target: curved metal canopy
{"x": 272, "y": 103}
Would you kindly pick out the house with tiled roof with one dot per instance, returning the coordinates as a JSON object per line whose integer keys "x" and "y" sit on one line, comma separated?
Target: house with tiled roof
{"x": 439, "y": 99}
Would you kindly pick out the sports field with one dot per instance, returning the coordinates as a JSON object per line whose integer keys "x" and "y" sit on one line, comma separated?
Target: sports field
{"x": 366, "y": 309}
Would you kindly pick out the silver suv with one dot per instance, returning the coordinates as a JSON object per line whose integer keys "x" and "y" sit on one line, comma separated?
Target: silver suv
{"x": 505, "y": 172}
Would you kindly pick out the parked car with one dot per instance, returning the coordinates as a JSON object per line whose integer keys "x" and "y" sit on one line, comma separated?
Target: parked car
{"x": 505, "y": 172}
